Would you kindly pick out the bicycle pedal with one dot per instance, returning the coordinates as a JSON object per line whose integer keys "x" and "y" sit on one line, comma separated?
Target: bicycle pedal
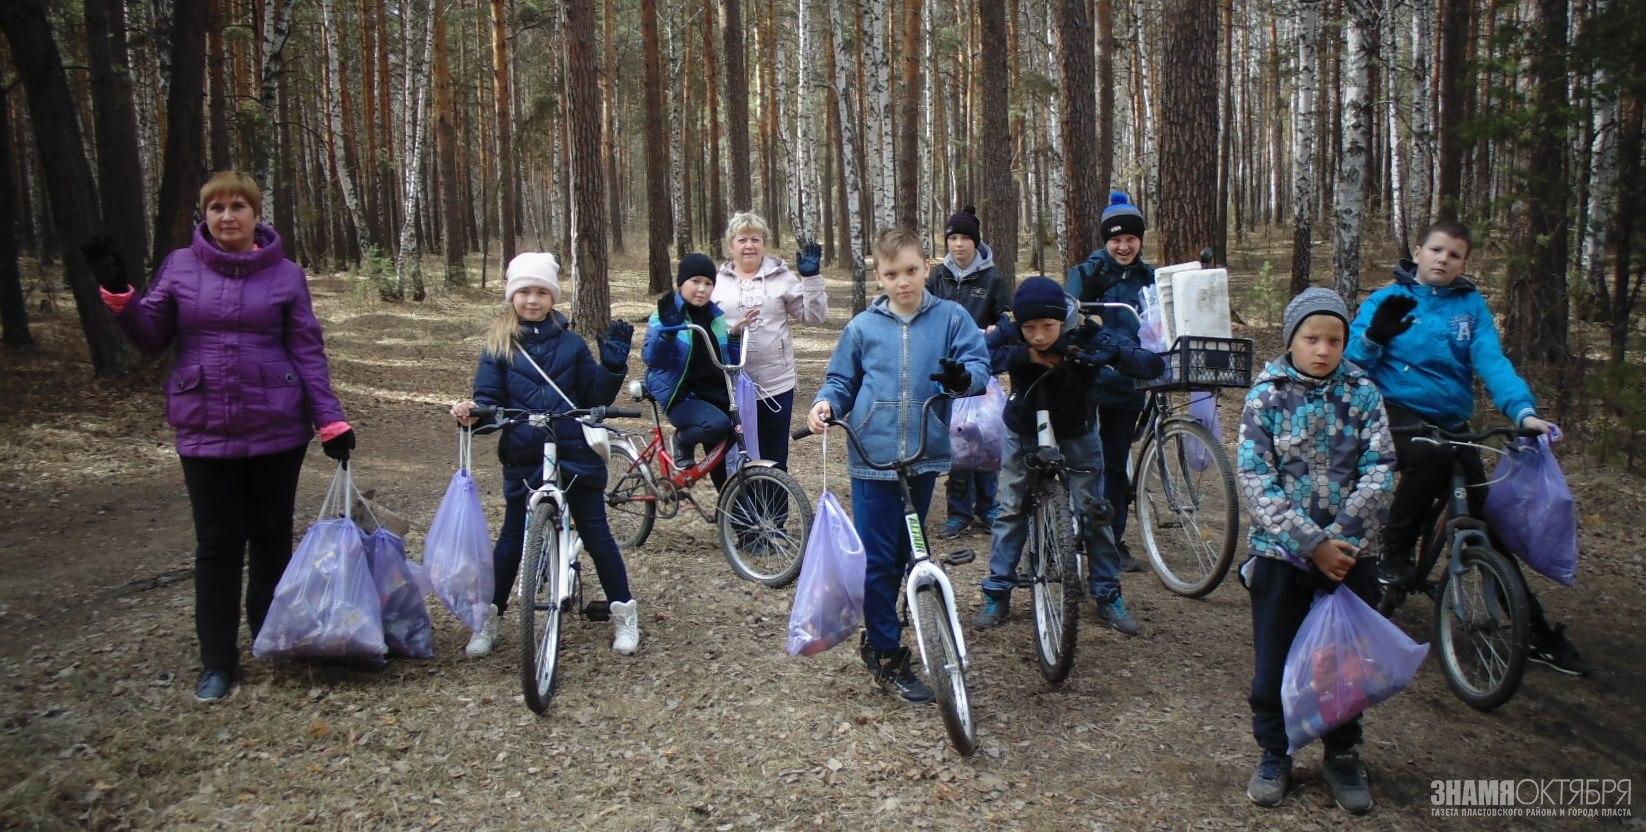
{"x": 962, "y": 556}
{"x": 597, "y": 610}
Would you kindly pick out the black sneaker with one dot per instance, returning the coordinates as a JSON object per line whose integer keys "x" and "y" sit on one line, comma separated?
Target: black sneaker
{"x": 214, "y": 686}
{"x": 1271, "y": 781}
{"x": 1396, "y": 570}
{"x": 1343, "y": 771}
{"x": 892, "y": 671}
{"x": 996, "y": 606}
{"x": 1127, "y": 562}
{"x": 1558, "y": 653}
{"x": 954, "y": 527}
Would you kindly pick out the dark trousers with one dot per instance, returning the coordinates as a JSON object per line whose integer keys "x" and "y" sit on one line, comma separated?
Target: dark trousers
{"x": 1281, "y": 597}
{"x": 1425, "y": 480}
{"x": 586, "y": 499}
{"x": 1115, "y": 426}
{"x": 877, "y": 512}
{"x": 238, "y": 504}
{"x": 776, "y": 413}
{"x": 970, "y": 493}
{"x": 696, "y": 422}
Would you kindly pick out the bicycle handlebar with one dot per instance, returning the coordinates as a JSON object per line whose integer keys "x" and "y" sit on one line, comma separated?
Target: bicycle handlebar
{"x": 1093, "y": 307}
{"x": 499, "y": 416}
{"x": 1438, "y": 435}
{"x": 742, "y": 359}
{"x": 851, "y": 436}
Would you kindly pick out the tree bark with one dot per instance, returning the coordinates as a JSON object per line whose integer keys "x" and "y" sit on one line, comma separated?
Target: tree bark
{"x": 1105, "y": 96}
{"x": 503, "y": 106}
{"x": 737, "y": 105}
{"x": 997, "y": 187}
{"x": 1537, "y": 322}
{"x": 445, "y": 133}
{"x": 1187, "y": 208}
{"x": 183, "y": 169}
{"x": 716, "y": 215}
{"x": 57, "y": 139}
{"x": 1225, "y": 148}
{"x": 1451, "y": 70}
{"x": 14, "y": 311}
{"x": 608, "y": 86}
{"x": 1083, "y": 201}
{"x": 1303, "y": 142}
{"x": 592, "y": 312}
{"x": 337, "y": 140}
{"x": 1360, "y": 30}
{"x": 217, "y": 92}
{"x": 852, "y": 233}
{"x": 877, "y": 100}
{"x": 659, "y": 217}
{"x": 908, "y": 138}
{"x": 1631, "y": 207}
{"x": 119, "y": 166}
{"x": 408, "y": 262}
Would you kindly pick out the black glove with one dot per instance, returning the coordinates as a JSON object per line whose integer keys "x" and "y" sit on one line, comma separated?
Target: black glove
{"x": 106, "y": 265}
{"x": 614, "y": 347}
{"x": 338, "y": 446}
{"x": 954, "y": 376}
{"x": 1008, "y": 329}
{"x": 1391, "y": 319}
{"x": 668, "y": 313}
{"x": 1100, "y": 354}
{"x": 810, "y": 261}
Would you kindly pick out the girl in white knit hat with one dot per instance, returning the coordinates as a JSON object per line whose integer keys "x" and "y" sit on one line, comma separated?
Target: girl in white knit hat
{"x": 527, "y": 342}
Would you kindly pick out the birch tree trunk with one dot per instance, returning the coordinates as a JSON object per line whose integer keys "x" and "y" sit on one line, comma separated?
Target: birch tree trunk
{"x": 408, "y": 261}
{"x": 808, "y": 216}
{"x": 1303, "y": 142}
{"x": 878, "y": 101}
{"x": 853, "y": 181}
{"x": 1602, "y": 186}
{"x": 1360, "y": 27}
{"x": 334, "y": 115}
{"x": 1422, "y": 156}
{"x": 1394, "y": 105}
{"x": 677, "y": 90}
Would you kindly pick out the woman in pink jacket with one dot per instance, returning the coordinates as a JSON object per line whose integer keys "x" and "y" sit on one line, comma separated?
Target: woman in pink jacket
{"x": 249, "y": 389}
{"x": 761, "y": 297}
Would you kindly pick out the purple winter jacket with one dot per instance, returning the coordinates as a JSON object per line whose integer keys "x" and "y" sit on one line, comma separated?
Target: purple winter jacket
{"x": 251, "y": 375}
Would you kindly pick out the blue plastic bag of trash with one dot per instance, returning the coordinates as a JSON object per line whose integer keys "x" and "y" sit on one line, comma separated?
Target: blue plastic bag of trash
{"x": 458, "y": 551}
{"x": 407, "y": 628}
{"x": 1531, "y": 509}
{"x": 1345, "y": 659}
{"x": 828, "y": 598}
{"x": 326, "y": 605}
{"x": 977, "y": 429}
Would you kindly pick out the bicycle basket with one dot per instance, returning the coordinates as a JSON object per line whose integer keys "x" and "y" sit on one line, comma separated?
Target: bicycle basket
{"x": 1199, "y": 361}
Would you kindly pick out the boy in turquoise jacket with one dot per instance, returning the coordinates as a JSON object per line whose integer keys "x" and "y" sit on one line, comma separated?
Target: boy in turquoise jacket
{"x": 882, "y": 371}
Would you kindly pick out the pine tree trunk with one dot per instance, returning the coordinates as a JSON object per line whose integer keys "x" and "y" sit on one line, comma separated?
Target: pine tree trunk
{"x": 503, "y": 107}
{"x": 1537, "y": 321}
{"x": 119, "y": 167}
{"x": 852, "y": 233}
{"x": 1360, "y": 30}
{"x": 715, "y": 175}
{"x": 1303, "y": 142}
{"x": 908, "y": 138}
{"x": 608, "y": 86}
{"x": 445, "y": 133}
{"x": 1077, "y": 124}
{"x": 680, "y": 147}
{"x": 659, "y": 218}
{"x": 1187, "y": 208}
{"x": 182, "y": 172}
{"x": 1451, "y": 69}
{"x": 1631, "y": 206}
{"x": 58, "y": 141}
{"x": 592, "y": 312}
{"x": 737, "y": 105}
{"x": 1220, "y": 227}
{"x": 14, "y": 311}
{"x": 997, "y": 188}
{"x": 1603, "y": 187}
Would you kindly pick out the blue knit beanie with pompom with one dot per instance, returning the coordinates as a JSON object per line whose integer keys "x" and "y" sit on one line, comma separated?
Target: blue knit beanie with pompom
{"x": 1121, "y": 217}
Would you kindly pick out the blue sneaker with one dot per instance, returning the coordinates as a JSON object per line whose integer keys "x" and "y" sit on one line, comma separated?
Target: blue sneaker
{"x": 1270, "y": 781}
{"x": 996, "y": 606}
{"x": 954, "y": 527}
{"x": 989, "y": 517}
{"x": 1115, "y": 615}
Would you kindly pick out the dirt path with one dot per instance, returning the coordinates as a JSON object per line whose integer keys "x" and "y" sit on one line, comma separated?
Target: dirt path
{"x": 712, "y": 726}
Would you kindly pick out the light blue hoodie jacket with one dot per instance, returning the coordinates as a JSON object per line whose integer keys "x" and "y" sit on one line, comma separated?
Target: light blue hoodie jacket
{"x": 879, "y": 377}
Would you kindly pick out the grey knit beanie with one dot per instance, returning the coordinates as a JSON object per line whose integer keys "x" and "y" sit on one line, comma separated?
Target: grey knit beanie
{"x": 1315, "y": 300}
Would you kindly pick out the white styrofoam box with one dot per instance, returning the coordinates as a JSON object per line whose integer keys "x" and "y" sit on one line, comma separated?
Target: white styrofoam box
{"x": 1163, "y": 278}
{"x": 1200, "y": 303}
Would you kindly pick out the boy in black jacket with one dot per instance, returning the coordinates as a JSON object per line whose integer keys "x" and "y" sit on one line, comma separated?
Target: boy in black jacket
{"x": 1054, "y": 356}
{"x": 968, "y": 277}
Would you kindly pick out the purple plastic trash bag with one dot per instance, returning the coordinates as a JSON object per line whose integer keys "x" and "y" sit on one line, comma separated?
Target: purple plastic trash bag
{"x": 828, "y": 599}
{"x": 1345, "y": 659}
{"x": 748, "y": 413}
{"x": 1531, "y": 510}
{"x": 1203, "y": 407}
{"x": 977, "y": 429}
{"x": 458, "y": 551}
{"x": 407, "y": 629}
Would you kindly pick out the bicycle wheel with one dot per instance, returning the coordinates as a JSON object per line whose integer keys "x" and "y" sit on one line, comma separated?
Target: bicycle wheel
{"x": 540, "y": 611}
{"x": 631, "y": 504}
{"x": 1187, "y": 513}
{"x": 944, "y": 671}
{"x": 1057, "y": 587}
{"x": 1482, "y": 624}
{"x": 763, "y": 519}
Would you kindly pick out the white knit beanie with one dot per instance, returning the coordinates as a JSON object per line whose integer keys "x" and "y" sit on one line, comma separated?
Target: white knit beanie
{"x": 532, "y": 268}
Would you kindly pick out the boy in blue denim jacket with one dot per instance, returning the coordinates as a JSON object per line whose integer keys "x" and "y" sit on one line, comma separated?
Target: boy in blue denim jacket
{"x": 1055, "y": 357}
{"x": 1315, "y": 467}
{"x": 881, "y": 373}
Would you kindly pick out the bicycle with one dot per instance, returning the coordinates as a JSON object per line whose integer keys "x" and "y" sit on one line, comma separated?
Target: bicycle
{"x": 762, "y": 514}
{"x": 928, "y": 597}
{"x": 1482, "y": 618}
{"x": 550, "y": 584}
{"x": 1181, "y": 479}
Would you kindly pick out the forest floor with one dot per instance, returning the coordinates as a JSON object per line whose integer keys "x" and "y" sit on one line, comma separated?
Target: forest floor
{"x": 712, "y": 725}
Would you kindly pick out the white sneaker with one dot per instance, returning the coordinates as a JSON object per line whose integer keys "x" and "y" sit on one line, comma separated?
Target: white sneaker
{"x": 625, "y": 627}
{"x": 480, "y": 644}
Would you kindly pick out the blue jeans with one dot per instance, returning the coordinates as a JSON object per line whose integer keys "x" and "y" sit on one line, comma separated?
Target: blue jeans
{"x": 696, "y": 422}
{"x": 1011, "y": 530}
{"x": 1281, "y": 597}
{"x": 877, "y": 512}
{"x": 586, "y": 499}
{"x": 773, "y": 427}
{"x": 970, "y": 493}
{"x": 1116, "y": 425}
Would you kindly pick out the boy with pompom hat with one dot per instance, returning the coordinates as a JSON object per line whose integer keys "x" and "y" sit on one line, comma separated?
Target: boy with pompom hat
{"x": 1116, "y": 273}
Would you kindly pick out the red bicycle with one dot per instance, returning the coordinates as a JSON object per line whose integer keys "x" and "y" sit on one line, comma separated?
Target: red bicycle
{"x": 761, "y": 514}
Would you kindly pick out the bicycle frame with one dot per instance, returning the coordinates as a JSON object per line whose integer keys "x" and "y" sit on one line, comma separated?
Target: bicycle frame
{"x": 570, "y": 548}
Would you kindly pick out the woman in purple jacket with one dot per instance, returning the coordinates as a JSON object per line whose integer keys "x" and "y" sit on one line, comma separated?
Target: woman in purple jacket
{"x": 249, "y": 389}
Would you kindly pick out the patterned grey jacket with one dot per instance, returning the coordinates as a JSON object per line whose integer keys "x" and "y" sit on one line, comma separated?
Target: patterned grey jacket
{"x": 1316, "y": 460}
